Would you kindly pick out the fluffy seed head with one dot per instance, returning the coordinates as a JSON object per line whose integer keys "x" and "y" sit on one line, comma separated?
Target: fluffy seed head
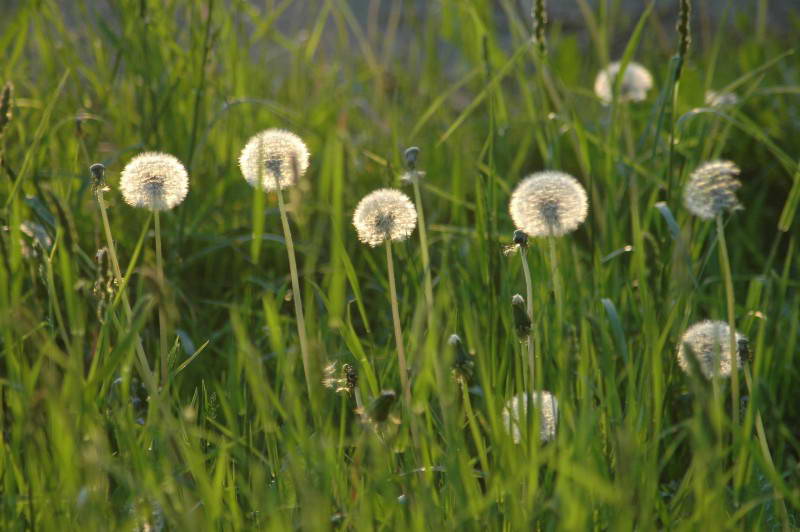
{"x": 385, "y": 214}
{"x": 155, "y": 181}
{"x": 548, "y": 204}
{"x": 517, "y": 408}
{"x": 636, "y": 81}
{"x": 709, "y": 342}
{"x": 273, "y": 159}
{"x": 711, "y": 189}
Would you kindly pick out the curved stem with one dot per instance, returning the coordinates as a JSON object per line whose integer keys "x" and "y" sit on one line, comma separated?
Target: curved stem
{"x": 398, "y": 332}
{"x": 296, "y": 295}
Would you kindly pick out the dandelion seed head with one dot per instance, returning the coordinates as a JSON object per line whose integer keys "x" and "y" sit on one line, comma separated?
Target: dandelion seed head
{"x": 636, "y": 81}
{"x": 270, "y": 158}
{"x": 711, "y": 189}
{"x": 384, "y": 214}
{"x": 548, "y": 204}
{"x": 709, "y": 342}
{"x": 155, "y": 181}
{"x": 517, "y": 408}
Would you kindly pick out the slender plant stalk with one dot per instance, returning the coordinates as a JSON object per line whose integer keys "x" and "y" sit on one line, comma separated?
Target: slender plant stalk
{"x": 474, "y": 427}
{"x": 551, "y": 243}
{"x": 398, "y": 331}
{"x": 426, "y": 262}
{"x": 147, "y": 373}
{"x": 162, "y": 315}
{"x": 725, "y": 265}
{"x": 296, "y": 295}
{"x": 523, "y": 253}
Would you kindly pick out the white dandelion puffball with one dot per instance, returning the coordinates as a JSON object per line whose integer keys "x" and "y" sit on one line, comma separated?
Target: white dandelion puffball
{"x": 544, "y": 402}
{"x": 548, "y": 203}
{"x": 711, "y": 189}
{"x": 384, "y": 214}
{"x": 709, "y": 342}
{"x": 268, "y": 159}
{"x": 636, "y": 81}
{"x": 155, "y": 181}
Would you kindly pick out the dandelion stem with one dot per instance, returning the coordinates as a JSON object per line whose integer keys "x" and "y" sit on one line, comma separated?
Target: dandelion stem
{"x": 144, "y": 368}
{"x": 296, "y": 295}
{"x": 398, "y": 332}
{"x": 523, "y": 253}
{"x": 162, "y": 315}
{"x": 725, "y": 265}
{"x": 551, "y": 242}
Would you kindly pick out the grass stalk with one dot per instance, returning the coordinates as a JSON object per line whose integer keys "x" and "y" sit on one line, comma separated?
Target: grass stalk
{"x": 523, "y": 253}
{"x": 725, "y": 265}
{"x": 426, "y": 261}
{"x": 162, "y": 314}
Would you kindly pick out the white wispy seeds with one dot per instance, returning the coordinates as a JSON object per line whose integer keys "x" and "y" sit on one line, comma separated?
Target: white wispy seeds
{"x": 517, "y": 408}
{"x": 709, "y": 342}
{"x": 155, "y": 181}
{"x": 548, "y": 203}
{"x": 711, "y": 189}
{"x": 385, "y": 214}
{"x": 636, "y": 81}
{"x": 268, "y": 157}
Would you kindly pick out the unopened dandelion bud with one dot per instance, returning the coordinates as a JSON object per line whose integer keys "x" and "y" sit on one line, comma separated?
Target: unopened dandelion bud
{"x": 636, "y": 81}
{"x": 155, "y": 181}
{"x": 98, "y": 172}
{"x": 516, "y": 410}
{"x": 463, "y": 365}
{"x": 411, "y": 154}
{"x": 378, "y": 410}
{"x": 708, "y": 345}
{"x": 548, "y": 203}
{"x": 273, "y": 159}
{"x": 711, "y": 189}
{"x": 522, "y": 322}
{"x": 384, "y": 214}
{"x": 520, "y": 238}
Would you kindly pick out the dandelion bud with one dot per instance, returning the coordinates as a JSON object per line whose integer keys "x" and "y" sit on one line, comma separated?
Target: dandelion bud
{"x": 385, "y": 214}
{"x": 520, "y": 238}
{"x": 548, "y": 203}
{"x": 463, "y": 365}
{"x": 522, "y": 322}
{"x": 708, "y": 342}
{"x": 711, "y": 189}
{"x": 517, "y": 408}
{"x": 98, "y": 172}
{"x": 378, "y": 410}
{"x": 274, "y": 159}
{"x": 155, "y": 181}
{"x": 411, "y": 155}
{"x": 636, "y": 81}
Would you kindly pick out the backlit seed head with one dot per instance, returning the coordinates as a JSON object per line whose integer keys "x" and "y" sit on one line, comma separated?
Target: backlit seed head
{"x": 721, "y": 99}
{"x": 709, "y": 343}
{"x": 385, "y": 214}
{"x": 711, "y": 189}
{"x": 155, "y": 181}
{"x": 274, "y": 159}
{"x": 517, "y": 408}
{"x": 548, "y": 204}
{"x": 636, "y": 81}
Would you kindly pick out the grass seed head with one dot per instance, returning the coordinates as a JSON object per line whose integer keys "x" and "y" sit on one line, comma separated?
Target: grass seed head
{"x": 636, "y": 81}
{"x": 517, "y": 408}
{"x": 549, "y": 203}
{"x": 155, "y": 181}
{"x": 721, "y": 99}
{"x": 709, "y": 342}
{"x": 274, "y": 159}
{"x": 385, "y": 214}
{"x": 711, "y": 189}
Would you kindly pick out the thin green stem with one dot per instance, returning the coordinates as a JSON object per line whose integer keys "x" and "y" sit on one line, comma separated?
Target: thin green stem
{"x": 559, "y": 296}
{"x": 296, "y": 296}
{"x": 523, "y": 253}
{"x": 725, "y": 265}
{"x": 162, "y": 315}
{"x": 144, "y": 367}
{"x": 426, "y": 262}
{"x": 398, "y": 331}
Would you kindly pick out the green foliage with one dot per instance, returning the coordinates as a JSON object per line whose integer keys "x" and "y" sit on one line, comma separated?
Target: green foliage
{"x": 232, "y": 441}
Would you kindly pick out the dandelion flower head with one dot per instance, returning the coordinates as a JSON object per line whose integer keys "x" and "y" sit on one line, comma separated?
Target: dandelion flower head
{"x": 636, "y": 81}
{"x": 709, "y": 342}
{"x": 155, "y": 181}
{"x": 711, "y": 189}
{"x": 384, "y": 214}
{"x": 517, "y": 408}
{"x": 268, "y": 159}
{"x": 548, "y": 204}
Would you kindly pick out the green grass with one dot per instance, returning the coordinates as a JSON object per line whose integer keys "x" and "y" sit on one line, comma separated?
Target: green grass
{"x": 233, "y": 441}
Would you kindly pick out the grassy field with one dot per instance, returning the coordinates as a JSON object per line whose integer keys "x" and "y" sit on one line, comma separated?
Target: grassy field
{"x": 232, "y": 438}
